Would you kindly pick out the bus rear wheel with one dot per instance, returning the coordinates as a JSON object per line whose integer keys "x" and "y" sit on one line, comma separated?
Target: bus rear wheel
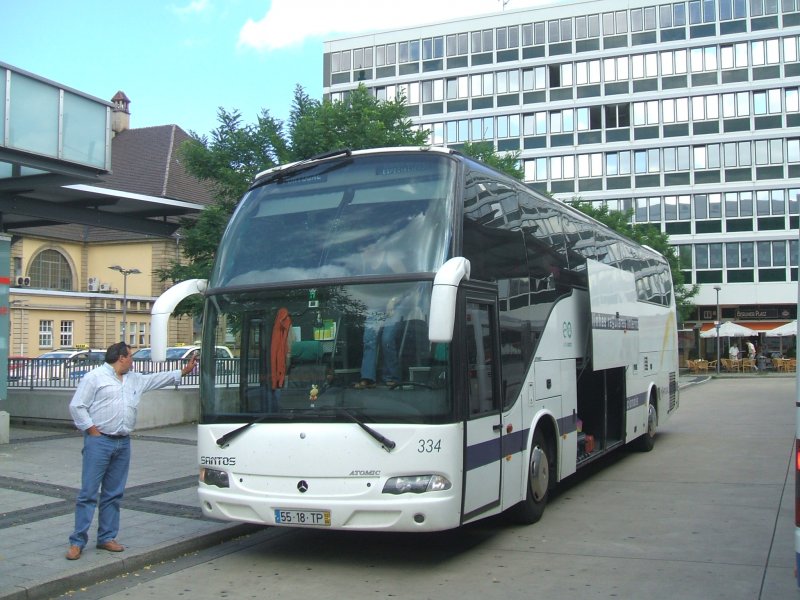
{"x": 540, "y": 470}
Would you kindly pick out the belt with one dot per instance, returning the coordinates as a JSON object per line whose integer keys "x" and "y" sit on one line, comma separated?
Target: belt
{"x": 113, "y": 437}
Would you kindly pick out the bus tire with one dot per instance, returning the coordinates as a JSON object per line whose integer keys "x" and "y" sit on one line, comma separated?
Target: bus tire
{"x": 646, "y": 442}
{"x": 541, "y": 469}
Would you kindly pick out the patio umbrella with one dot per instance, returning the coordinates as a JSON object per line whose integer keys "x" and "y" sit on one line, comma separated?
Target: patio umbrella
{"x": 784, "y": 330}
{"x": 729, "y": 329}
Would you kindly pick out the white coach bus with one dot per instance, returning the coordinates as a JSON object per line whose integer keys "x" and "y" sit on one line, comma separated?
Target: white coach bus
{"x": 424, "y": 342}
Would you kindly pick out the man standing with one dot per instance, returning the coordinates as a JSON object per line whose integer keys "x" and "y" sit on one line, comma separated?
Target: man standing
{"x": 104, "y": 409}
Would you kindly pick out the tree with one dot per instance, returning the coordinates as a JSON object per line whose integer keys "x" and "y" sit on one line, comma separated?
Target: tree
{"x": 647, "y": 235}
{"x": 359, "y": 121}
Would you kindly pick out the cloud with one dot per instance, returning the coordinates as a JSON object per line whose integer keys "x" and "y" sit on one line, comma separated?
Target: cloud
{"x": 290, "y": 22}
{"x": 194, "y": 7}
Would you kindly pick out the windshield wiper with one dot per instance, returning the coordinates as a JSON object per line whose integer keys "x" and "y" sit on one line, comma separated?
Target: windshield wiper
{"x": 282, "y": 174}
{"x": 226, "y": 439}
{"x": 385, "y": 442}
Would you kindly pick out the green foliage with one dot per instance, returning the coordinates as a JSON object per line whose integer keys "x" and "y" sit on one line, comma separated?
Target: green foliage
{"x": 647, "y": 235}
{"x": 506, "y": 162}
{"x": 360, "y": 121}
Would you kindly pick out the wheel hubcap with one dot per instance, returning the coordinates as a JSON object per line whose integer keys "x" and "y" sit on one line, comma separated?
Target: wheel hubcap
{"x": 651, "y": 420}
{"x": 540, "y": 474}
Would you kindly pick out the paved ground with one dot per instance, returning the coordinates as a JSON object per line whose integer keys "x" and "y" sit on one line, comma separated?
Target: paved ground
{"x": 39, "y": 478}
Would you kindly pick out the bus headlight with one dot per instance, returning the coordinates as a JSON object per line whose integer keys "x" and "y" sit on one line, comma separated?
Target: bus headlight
{"x": 214, "y": 477}
{"x": 416, "y": 484}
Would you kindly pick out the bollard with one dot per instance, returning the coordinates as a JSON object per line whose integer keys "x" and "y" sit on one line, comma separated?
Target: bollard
{"x": 5, "y": 432}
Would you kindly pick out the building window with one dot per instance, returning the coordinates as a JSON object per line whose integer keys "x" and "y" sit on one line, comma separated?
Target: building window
{"x": 458, "y": 87}
{"x": 767, "y": 102}
{"x": 618, "y": 115}
{"x": 733, "y": 56}
{"x": 50, "y": 270}
{"x": 590, "y": 165}
{"x": 142, "y": 334}
{"x": 765, "y": 52}
{"x": 340, "y": 61}
{"x": 534, "y": 79}
{"x": 482, "y": 85}
{"x": 736, "y": 105}
{"x": 618, "y": 163}
{"x": 385, "y": 54}
{"x": 675, "y": 110}
{"x": 45, "y": 334}
{"x": 507, "y": 37}
{"x": 707, "y": 206}
{"x": 732, "y": 9}
{"x": 362, "y": 58}
{"x": 589, "y": 71}
{"x": 408, "y": 51}
{"x": 790, "y": 49}
{"x": 770, "y": 202}
{"x": 708, "y": 256}
{"x": 738, "y": 204}
{"x": 507, "y": 81}
{"x": 644, "y": 65}
{"x": 482, "y": 41}
{"x": 457, "y": 44}
{"x": 769, "y": 152}
{"x": 67, "y": 338}
{"x": 673, "y": 62}
{"x": 615, "y": 69}
{"x": 645, "y": 113}
{"x": 763, "y": 7}
{"x": 739, "y": 255}
{"x": 508, "y": 127}
{"x": 676, "y": 159}
{"x": 771, "y": 254}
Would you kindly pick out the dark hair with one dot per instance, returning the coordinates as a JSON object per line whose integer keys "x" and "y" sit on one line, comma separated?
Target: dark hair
{"x": 115, "y": 351}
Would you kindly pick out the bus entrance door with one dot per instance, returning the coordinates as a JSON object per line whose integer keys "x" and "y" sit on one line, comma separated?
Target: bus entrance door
{"x": 483, "y": 451}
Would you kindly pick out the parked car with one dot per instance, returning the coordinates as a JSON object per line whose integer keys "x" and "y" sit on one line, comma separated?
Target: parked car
{"x": 63, "y": 363}
{"x": 181, "y": 353}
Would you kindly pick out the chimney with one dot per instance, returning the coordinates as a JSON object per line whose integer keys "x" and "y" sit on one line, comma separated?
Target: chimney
{"x": 120, "y": 115}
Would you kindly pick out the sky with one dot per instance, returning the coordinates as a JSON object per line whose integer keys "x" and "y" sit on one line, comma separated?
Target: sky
{"x": 179, "y": 61}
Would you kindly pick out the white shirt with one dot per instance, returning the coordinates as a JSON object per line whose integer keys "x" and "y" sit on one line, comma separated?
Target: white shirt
{"x": 110, "y": 404}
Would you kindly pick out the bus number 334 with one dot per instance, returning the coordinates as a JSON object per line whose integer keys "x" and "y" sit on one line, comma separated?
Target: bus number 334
{"x": 429, "y": 446}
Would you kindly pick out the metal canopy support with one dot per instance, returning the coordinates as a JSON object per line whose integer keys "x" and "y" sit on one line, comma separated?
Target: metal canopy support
{"x": 50, "y": 211}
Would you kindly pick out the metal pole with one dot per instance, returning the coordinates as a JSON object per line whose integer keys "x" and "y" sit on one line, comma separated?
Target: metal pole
{"x": 125, "y": 306}
{"x": 719, "y": 322}
{"x": 125, "y": 272}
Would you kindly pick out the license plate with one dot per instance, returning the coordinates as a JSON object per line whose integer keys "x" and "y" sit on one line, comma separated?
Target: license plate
{"x": 291, "y": 516}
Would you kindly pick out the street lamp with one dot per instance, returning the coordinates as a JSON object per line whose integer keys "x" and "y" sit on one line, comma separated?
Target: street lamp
{"x": 719, "y": 322}
{"x": 21, "y": 306}
{"x": 125, "y": 272}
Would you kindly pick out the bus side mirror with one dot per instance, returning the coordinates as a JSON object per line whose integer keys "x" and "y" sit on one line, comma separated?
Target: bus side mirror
{"x": 443, "y": 298}
{"x": 162, "y": 309}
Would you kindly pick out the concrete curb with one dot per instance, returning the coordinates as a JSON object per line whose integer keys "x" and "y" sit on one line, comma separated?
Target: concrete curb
{"x": 71, "y": 581}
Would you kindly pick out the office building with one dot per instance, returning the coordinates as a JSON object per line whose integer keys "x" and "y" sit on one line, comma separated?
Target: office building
{"x": 686, "y": 112}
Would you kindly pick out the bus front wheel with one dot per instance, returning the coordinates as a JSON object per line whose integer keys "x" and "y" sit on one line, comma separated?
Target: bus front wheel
{"x": 647, "y": 441}
{"x": 540, "y": 470}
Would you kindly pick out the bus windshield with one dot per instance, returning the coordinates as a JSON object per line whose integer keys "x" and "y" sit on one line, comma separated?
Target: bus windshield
{"x": 327, "y": 352}
{"x": 349, "y": 216}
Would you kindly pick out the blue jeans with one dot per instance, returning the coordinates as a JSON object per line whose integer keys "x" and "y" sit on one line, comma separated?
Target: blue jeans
{"x": 387, "y": 337}
{"x": 105, "y": 470}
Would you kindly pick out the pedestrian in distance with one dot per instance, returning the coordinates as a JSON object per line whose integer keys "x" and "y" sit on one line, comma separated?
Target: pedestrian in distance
{"x": 104, "y": 408}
